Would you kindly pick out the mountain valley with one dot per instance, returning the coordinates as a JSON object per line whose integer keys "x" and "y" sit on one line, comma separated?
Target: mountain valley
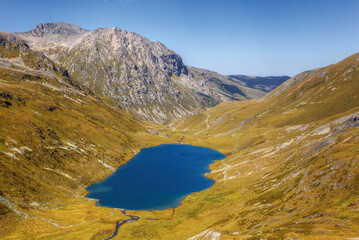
{"x": 77, "y": 104}
{"x": 145, "y": 78}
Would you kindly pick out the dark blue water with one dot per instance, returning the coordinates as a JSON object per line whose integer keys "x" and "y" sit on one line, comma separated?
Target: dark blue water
{"x": 157, "y": 178}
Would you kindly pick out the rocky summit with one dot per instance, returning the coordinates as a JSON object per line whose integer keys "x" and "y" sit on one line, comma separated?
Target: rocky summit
{"x": 291, "y": 169}
{"x": 126, "y": 69}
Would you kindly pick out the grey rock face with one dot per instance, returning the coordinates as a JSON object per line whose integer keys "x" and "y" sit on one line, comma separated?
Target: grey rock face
{"x": 56, "y": 28}
{"x": 146, "y": 78}
{"x": 13, "y": 48}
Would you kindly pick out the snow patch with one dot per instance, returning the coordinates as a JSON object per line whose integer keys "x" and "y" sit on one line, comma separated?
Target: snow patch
{"x": 321, "y": 130}
{"x": 11, "y": 155}
{"x": 24, "y": 148}
{"x": 207, "y": 234}
{"x": 286, "y": 144}
{"x": 297, "y": 127}
{"x": 35, "y": 204}
{"x": 264, "y": 150}
{"x": 106, "y": 165}
{"x": 16, "y": 150}
{"x": 61, "y": 173}
{"x": 12, "y": 140}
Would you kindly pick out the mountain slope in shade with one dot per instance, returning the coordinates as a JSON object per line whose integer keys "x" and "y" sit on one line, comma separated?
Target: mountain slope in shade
{"x": 145, "y": 78}
{"x": 264, "y": 84}
{"x": 239, "y": 87}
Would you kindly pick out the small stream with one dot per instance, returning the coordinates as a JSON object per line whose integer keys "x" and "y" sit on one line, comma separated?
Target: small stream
{"x": 119, "y": 223}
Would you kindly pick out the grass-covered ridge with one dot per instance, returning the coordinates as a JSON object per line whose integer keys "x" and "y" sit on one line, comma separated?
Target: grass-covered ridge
{"x": 291, "y": 171}
{"x": 55, "y": 140}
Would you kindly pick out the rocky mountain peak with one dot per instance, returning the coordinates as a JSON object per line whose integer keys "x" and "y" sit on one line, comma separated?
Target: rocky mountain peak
{"x": 59, "y": 28}
{"x": 143, "y": 77}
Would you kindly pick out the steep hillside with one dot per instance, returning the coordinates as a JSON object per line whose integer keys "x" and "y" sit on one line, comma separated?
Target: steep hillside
{"x": 233, "y": 88}
{"x": 291, "y": 172}
{"x": 55, "y": 140}
{"x": 134, "y": 73}
{"x": 143, "y": 77}
{"x": 293, "y": 167}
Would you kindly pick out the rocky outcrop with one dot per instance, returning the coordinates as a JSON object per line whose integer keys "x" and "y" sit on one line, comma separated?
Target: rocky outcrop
{"x": 129, "y": 70}
{"x": 145, "y": 78}
{"x": 56, "y": 28}
{"x": 12, "y": 48}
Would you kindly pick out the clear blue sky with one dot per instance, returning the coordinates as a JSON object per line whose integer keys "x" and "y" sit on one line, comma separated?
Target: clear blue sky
{"x": 255, "y": 37}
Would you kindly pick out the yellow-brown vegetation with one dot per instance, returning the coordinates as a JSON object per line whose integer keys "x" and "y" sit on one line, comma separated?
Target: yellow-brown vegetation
{"x": 291, "y": 172}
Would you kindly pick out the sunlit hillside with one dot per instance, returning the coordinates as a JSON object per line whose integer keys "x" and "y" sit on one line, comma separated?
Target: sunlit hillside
{"x": 55, "y": 140}
{"x": 292, "y": 166}
{"x": 77, "y": 104}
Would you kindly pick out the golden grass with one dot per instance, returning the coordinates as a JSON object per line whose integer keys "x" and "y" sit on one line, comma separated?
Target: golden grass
{"x": 291, "y": 171}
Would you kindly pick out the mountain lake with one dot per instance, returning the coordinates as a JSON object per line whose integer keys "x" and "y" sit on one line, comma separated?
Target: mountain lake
{"x": 157, "y": 178}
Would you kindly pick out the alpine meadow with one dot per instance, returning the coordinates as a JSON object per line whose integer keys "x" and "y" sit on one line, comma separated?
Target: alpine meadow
{"x": 106, "y": 134}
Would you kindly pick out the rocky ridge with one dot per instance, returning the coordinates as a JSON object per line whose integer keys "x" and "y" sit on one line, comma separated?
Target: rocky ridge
{"x": 145, "y": 78}
{"x": 56, "y": 139}
{"x": 291, "y": 170}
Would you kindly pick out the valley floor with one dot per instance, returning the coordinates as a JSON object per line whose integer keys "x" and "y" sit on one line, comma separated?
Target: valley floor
{"x": 291, "y": 172}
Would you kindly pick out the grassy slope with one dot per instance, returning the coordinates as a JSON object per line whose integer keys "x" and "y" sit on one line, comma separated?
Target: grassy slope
{"x": 55, "y": 140}
{"x": 291, "y": 171}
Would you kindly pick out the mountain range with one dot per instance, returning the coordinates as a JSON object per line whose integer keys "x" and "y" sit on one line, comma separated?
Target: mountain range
{"x": 292, "y": 166}
{"x": 128, "y": 70}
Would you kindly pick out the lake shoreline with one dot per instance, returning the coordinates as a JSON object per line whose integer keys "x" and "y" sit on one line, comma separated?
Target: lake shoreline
{"x": 192, "y": 160}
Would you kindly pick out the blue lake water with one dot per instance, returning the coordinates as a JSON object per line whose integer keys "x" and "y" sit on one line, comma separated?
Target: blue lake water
{"x": 157, "y": 178}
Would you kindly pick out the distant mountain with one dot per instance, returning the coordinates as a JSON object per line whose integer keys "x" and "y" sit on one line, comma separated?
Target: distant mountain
{"x": 239, "y": 87}
{"x": 264, "y": 84}
{"x": 145, "y": 78}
